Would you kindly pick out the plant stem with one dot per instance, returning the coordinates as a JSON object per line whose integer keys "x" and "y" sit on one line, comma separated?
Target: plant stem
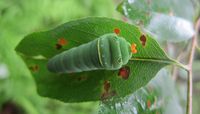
{"x": 191, "y": 57}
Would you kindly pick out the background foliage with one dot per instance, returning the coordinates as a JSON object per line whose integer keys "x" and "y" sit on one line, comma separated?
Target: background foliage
{"x": 21, "y": 17}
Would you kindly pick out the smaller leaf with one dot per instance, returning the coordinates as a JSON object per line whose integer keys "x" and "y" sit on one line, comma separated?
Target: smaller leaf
{"x": 170, "y": 28}
{"x": 164, "y": 19}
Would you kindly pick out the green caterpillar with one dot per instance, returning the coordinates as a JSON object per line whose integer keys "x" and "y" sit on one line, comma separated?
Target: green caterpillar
{"x": 109, "y": 52}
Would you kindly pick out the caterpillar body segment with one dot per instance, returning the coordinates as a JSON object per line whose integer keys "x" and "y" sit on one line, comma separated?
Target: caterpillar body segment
{"x": 109, "y": 52}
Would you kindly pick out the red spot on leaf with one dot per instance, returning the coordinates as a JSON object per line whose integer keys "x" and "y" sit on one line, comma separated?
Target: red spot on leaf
{"x": 124, "y": 72}
{"x": 117, "y": 31}
{"x": 62, "y": 41}
{"x": 133, "y": 48}
{"x": 148, "y": 104}
{"x": 143, "y": 39}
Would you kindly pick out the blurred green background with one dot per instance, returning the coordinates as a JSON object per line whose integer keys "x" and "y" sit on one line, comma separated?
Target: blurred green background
{"x": 17, "y": 88}
{"x": 21, "y": 17}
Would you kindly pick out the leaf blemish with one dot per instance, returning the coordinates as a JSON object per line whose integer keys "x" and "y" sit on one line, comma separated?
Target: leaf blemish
{"x": 106, "y": 86}
{"x": 117, "y": 31}
{"x": 82, "y": 78}
{"x": 133, "y": 48}
{"x": 148, "y": 103}
{"x": 58, "y": 46}
{"x": 143, "y": 40}
{"x": 107, "y": 93}
{"x": 34, "y": 68}
{"x": 124, "y": 72}
{"x": 61, "y": 42}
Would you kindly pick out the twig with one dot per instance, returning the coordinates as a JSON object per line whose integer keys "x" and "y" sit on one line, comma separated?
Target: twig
{"x": 191, "y": 57}
{"x": 181, "y": 55}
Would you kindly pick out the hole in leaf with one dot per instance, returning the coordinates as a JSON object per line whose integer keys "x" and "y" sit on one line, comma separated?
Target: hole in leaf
{"x": 124, "y": 72}
{"x": 143, "y": 39}
{"x": 117, "y": 31}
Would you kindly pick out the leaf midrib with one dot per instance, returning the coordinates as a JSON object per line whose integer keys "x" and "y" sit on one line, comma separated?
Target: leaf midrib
{"x": 166, "y": 61}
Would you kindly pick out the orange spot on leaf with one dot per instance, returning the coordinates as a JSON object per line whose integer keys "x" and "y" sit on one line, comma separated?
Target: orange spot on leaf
{"x": 143, "y": 39}
{"x": 148, "y": 103}
{"x": 134, "y": 51}
{"x": 62, "y": 41}
{"x": 124, "y": 72}
{"x": 133, "y": 48}
{"x": 117, "y": 31}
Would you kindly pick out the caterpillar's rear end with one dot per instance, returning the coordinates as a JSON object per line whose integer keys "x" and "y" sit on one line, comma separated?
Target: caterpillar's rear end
{"x": 108, "y": 52}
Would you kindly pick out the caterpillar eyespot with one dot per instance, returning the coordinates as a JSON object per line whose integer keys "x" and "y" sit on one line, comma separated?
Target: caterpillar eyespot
{"x": 108, "y": 52}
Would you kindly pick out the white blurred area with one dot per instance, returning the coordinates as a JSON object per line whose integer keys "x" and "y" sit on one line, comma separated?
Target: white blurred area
{"x": 4, "y": 73}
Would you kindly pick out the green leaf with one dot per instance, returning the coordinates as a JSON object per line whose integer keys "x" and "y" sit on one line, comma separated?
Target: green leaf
{"x": 163, "y": 18}
{"x": 37, "y": 48}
